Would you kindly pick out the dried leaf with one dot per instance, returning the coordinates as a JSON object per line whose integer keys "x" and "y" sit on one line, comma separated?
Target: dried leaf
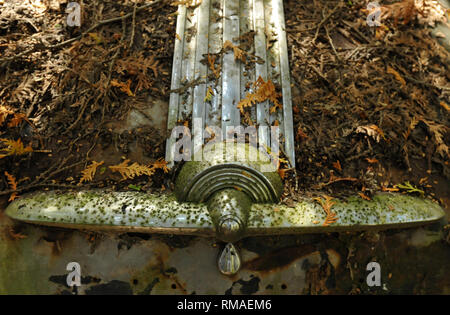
{"x": 282, "y": 172}
{"x": 363, "y": 196}
{"x": 17, "y": 119}
{"x": 124, "y": 87}
{"x": 133, "y": 170}
{"x": 14, "y": 148}
{"x": 438, "y": 132}
{"x": 372, "y": 161}
{"x": 412, "y": 125}
{"x": 442, "y": 103}
{"x": 404, "y": 10}
{"x": 301, "y": 135}
{"x": 389, "y": 189}
{"x": 337, "y": 165}
{"x": 209, "y": 94}
{"x": 239, "y": 54}
{"x": 372, "y": 131}
{"x": 95, "y": 36}
{"x": 162, "y": 164}
{"x": 4, "y": 112}
{"x": 89, "y": 172}
{"x": 327, "y": 203}
{"x": 211, "y": 62}
{"x": 397, "y": 75}
{"x": 139, "y": 67}
{"x": 264, "y": 91}
{"x": 12, "y": 185}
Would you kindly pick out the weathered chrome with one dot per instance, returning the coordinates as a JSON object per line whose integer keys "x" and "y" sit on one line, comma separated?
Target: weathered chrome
{"x": 229, "y": 165}
{"x": 150, "y": 213}
{"x": 229, "y": 210}
{"x": 229, "y": 187}
{"x": 229, "y": 261}
{"x": 202, "y": 32}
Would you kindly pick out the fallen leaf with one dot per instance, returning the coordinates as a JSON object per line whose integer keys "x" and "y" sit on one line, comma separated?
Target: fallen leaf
{"x": 89, "y": 172}
{"x": 396, "y": 75}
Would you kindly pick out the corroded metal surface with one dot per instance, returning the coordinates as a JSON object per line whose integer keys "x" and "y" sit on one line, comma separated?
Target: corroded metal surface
{"x": 134, "y": 211}
{"x": 412, "y": 261}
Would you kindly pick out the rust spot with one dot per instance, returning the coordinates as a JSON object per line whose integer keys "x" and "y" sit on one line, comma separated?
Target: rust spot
{"x": 278, "y": 259}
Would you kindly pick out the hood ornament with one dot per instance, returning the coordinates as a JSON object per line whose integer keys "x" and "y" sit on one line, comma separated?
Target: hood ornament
{"x": 227, "y": 189}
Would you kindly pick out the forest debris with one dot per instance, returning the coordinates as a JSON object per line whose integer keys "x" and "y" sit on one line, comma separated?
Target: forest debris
{"x": 124, "y": 87}
{"x": 14, "y": 148}
{"x": 404, "y": 10}
{"x": 27, "y": 52}
{"x": 12, "y": 185}
{"x": 239, "y": 54}
{"x": 397, "y": 75}
{"x": 337, "y": 165}
{"x": 364, "y": 196}
{"x": 15, "y": 236}
{"x": 326, "y": 203}
{"x": 136, "y": 169}
{"x": 412, "y": 125}
{"x": 133, "y": 170}
{"x": 209, "y": 94}
{"x": 372, "y": 131}
{"x": 372, "y": 161}
{"x": 426, "y": 11}
{"x": 89, "y": 172}
{"x": 212, "y": 67}
{"x": 339, "y": 97}
{"x": 335, "y": 179}
{"x": 438, "y": 131}
{"x": 409, "y": 188}
{"x": 139, "y": 67}
{"x": 187, "y": 3}
{"x": 161, "y": 164}
{"x": 4, "y": 112}
{"x": 264, "y": 91}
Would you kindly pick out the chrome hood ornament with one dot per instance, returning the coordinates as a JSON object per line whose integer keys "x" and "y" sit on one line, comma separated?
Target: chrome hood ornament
{"x": 228, "y": 190}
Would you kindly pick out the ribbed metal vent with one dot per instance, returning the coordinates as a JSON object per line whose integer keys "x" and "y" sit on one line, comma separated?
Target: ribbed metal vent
{"x": 229, "y": 175}
{"x": 202, "y": 32}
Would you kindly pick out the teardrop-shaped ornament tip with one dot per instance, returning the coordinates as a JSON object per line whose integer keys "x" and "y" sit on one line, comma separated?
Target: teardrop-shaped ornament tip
{"x": 229, "y": 260}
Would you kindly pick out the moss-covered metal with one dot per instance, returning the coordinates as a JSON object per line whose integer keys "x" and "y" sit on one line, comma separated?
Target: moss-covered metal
{"x": 140, "y": 212}
{"x": 229, "y": 210}
{"x": 229, "y": 165}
